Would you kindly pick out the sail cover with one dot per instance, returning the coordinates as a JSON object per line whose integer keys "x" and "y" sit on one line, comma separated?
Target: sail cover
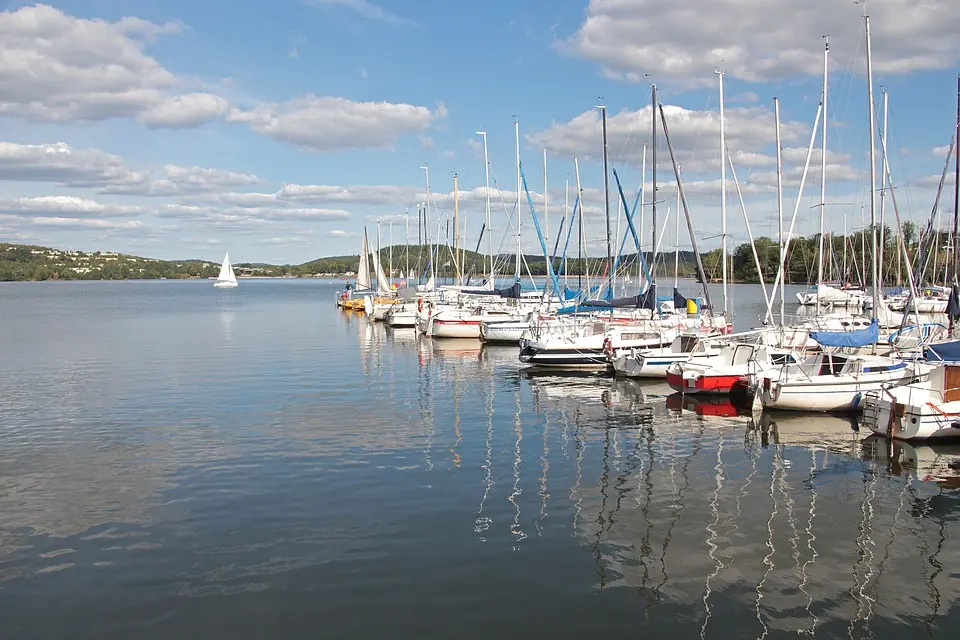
{"x": 679, "y": 302}
{"x": 943, "y": 352}
{"x": 512, "y": 292}
{"x": 953, "y": 303}
{"x": 858, "y": 338}
{"x": 645, "y": 300}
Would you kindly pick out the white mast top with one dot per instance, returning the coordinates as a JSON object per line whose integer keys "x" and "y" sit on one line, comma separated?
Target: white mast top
{"x": 873, "y": 167}
{"x": 723, "y": 197}
{"x": 823, "y": 167}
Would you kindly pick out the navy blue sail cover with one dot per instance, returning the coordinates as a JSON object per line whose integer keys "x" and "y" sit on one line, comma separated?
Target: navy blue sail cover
{"x": 858, "y": 338}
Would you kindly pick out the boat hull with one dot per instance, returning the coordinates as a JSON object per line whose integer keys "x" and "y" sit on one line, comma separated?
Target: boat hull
{"x": 586, "y": 359}
{"x": 503, "y": 332}
{"x": 820, "y": 395}
{"x": 455, "y": 328}
{"x": 224, "y": 284}
{"x": 707, "y": 384}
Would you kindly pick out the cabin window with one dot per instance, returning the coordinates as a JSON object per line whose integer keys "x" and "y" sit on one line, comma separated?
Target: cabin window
{"x": 742, "y": 354}
{"x": 688, "y": 343}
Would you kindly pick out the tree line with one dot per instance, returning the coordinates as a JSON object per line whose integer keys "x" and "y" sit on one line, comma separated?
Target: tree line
{"x": 847, "y": 259}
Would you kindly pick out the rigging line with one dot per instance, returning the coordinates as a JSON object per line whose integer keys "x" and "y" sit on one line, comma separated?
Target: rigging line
{"x": 905, "y": 185}
{"x": 763, "y": 132}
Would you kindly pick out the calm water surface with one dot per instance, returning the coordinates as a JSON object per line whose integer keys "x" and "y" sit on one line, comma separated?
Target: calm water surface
{"x": 183, "y": 462}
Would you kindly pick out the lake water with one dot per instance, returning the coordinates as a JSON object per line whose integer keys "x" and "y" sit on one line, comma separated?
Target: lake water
{"x": 183, "y": 462}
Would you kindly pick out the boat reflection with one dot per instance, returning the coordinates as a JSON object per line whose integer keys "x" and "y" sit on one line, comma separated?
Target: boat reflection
{"x": 939, "y": 463}
{"x": 840, "y": 434}
{"x": 705, "y": 406}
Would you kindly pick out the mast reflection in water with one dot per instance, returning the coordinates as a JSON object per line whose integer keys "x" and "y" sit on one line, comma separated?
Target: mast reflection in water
{"x": 286, "y": 469}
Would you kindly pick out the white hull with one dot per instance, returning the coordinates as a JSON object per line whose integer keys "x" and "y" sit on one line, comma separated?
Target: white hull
{"x": 921, "y": 411}
{"x": 503, "y": 332}
{"x": 585, "y": 352}
{"x": 912, "y": 422}
{"x": 844, "y": 390}
{"x": 225, "y": 284}
{"x": 833, "y": 297}
{"x": 823, "y": 395}
{"x": 401, "y": 319}
{"x": 455, "y": 328}
{"x": 645, "y": 365}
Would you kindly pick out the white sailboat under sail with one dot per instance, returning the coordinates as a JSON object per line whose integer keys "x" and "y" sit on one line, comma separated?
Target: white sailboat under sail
{"x": 226, "y": 279}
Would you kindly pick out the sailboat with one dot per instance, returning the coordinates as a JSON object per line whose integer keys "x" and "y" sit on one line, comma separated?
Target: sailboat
{"x": 226, "y": 279}
{"x": 831, "y": 381}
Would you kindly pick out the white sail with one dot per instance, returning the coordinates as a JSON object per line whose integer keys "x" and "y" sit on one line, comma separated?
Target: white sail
{"x": 383, "y": 286}
{"x": 363, "y": 272}
{"x": 226, "y": 279}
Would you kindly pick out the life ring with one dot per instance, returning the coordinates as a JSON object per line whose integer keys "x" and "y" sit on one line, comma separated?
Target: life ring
{"x": 608, "y": 345}
{"x": 419, "y": 304}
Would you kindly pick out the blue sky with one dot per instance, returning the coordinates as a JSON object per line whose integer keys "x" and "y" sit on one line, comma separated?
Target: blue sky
{"x": 278, "y": 131}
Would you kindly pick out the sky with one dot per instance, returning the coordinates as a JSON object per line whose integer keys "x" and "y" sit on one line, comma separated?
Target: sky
{"x": 279, "y": 131}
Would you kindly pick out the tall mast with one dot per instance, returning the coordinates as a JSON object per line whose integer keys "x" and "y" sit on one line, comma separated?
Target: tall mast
{"x": 883, "y": 183}
{"x": 576, "y": 167}
{"x": 566, "y": 223}
{"x": 456, "y": 229}
{"x": 486, "y": 219}
{"x": 723, "y": 198}
{"x": 426, "y": 225}
{"x": 546, "y": 213}
{"x": 421, "y": 241}
{"x": 379, "y": 260}
{"x": 846, "y": 274}
{"x": 956, "y": 190}
{"x": 873, "y": 168}
{"x": 783, "y": 276}
{"x": 406, "y": 241}
{"x": 643, "y": 180}
{"x": 823, "y": 168}
{"x": 606, "y": 196}
{"x": 516, "y": 128}
{"x": 390, "y": 254}
{"x": 676, "y": 236}
{"x": 653, "y": 192}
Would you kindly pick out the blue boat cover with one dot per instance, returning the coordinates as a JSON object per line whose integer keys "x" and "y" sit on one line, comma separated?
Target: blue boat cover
{"x": 943, "y": 352}
{"x": 858, "y": 338}
{"x": 645, "y": 300}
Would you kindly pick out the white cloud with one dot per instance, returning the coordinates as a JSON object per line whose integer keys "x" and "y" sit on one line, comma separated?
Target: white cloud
{"x": 695, "y": 135}
{"x": 59, "y": 163}
{"x": 91, "y": 168}
{"x": 64, "y": 207}
{"x": 55, "y": 67}
{"x": 760, "y": 40}
{"x": 329, "y": 124}
{"x": 87, "y": 223}
{"x": 286, "y": 241}
{"x": 179, "y": 180}
{"x": 340, "y": 233}
{"x": 941, "y": 152}
{"x": 380, "y": 194}
{"x": 363, "y": 8}
{"x": 194, "y": 212}
{"x": 189, "y": 110}
{"x": 426, "y": 142}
